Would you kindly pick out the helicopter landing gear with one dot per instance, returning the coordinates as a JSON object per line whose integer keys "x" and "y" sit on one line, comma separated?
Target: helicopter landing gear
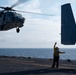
{"x": 17, "y": 30}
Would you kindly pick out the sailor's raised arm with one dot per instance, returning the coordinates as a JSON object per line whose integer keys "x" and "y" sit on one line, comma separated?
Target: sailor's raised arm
{"x": 55, "y": 45}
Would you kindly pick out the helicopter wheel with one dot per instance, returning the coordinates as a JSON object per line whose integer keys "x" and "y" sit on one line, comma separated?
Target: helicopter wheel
{"x": 17, "y": 30}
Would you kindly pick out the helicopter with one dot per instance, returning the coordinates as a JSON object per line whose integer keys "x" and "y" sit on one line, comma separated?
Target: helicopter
{"x": 9, "y": 18}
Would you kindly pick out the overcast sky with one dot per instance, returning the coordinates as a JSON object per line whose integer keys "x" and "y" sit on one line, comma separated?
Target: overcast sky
{"x": 38, "y": 31}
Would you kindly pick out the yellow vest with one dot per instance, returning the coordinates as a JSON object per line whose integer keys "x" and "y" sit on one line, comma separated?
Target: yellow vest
{"x": 56, "y": 52}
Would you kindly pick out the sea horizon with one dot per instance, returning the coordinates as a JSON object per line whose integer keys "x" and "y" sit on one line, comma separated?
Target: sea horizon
{"x": 70, "y": 53}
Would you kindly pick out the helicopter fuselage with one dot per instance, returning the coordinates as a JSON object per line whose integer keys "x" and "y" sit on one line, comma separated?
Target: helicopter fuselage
{"x": 9, "y": 20}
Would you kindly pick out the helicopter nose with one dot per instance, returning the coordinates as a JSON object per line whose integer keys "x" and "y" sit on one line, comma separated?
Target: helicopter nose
{"x": 24, "y": 19}
{"x": 21, "y": 20}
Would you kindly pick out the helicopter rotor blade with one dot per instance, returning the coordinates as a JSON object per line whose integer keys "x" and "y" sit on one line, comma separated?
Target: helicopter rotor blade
{"x": 18, "y": 3}
{"x": 2, "y": 7}
{"x": 35, "y": 13}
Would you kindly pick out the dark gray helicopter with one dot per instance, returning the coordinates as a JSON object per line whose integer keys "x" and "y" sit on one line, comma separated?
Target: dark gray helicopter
{"x": 9, "y": 19}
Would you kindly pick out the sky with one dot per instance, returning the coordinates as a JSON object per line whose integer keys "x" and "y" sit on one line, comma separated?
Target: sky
{"x": 39, "y": 31}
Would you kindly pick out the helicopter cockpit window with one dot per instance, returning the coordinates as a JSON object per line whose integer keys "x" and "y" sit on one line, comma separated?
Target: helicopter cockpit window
{"x": 19, "y": 15}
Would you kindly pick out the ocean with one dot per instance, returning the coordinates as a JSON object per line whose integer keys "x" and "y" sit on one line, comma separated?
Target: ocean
{"x": 70, "y": 53}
